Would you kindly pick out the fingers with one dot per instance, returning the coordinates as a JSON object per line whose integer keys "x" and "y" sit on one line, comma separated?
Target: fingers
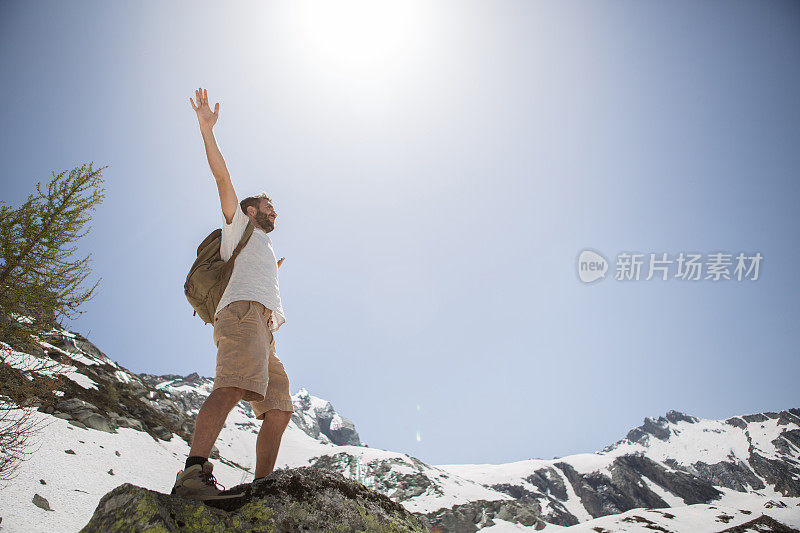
{"x": 202, "y": 99}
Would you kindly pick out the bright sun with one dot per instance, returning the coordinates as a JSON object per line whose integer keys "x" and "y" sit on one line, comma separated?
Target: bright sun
{"x": 359, "y": 36}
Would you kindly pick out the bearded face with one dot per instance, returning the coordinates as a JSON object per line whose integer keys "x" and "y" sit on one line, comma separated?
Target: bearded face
{"x": 265, "y": 217}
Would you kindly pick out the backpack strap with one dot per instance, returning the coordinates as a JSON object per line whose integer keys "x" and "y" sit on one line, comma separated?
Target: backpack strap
{"x": 228, "y": 268}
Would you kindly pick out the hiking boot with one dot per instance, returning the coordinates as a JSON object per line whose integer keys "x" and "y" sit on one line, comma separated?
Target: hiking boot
{"x": 198, "y": 483}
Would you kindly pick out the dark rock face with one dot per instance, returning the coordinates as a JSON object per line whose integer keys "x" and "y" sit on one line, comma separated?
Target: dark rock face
{"x": 736, "y": 476}
{"x": 682, "y": 484}
{"x": 778, "y": 473}
{"x": 298, "y": 499}
{"x": 549, "y": 481}
{"x": 602, "y": 495}
{"x": 550, "y": 485}
{"x": 659, "y": 427}
{"x": 472, "y": 516}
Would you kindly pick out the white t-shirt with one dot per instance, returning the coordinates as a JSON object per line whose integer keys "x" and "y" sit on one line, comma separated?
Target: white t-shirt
{"x": 255, "y": 270}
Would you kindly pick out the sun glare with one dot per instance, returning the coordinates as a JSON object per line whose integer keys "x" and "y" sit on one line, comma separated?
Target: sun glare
{"x": 358, "y": 35}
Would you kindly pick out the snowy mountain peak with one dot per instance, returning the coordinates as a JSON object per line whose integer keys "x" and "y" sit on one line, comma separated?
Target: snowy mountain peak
{"x": 318, "y": 418}
{"x": 660, "y": 427}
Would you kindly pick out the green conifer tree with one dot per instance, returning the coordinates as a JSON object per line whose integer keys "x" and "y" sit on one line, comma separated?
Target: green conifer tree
{"x": 41, "y": 282}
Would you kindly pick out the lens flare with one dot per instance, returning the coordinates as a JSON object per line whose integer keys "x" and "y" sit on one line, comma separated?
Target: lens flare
{"x": 419, "y": 436}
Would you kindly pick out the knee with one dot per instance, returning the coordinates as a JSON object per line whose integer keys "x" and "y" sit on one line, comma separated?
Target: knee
{"x": 228, "y": 395}
{"x": 277, "y": 417}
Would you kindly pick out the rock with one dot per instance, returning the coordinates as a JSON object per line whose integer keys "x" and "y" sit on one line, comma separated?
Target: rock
{"x": 40, "y": 502}
{"x": 298, "y": 499}
{"x": 475, "y": 515}
{"x": 162, "y": 433}
{"x": 127, "y": 422}
{"x": 71, "y": 452}
{"x": 84, "y": 415}
{"x": 73, "y": 404}
{"x": 117, "y": 453}
{"x": 96, "y": 421}
{"x": 42, "y": 482}
{"x": 772, "y": 503}
{"x": 110, "y": 471}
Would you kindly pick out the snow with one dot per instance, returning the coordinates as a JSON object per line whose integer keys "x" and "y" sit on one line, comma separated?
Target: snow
{"x": 123, "y": 377}
{"x": 72, "y": 497}
{"x": 491, "y": 474}
{"x": 25, "y": 319}
{"x": 153, "y": 464}
{"x": 84, "y": 381}
{"x": 204, "y": 389}
{"x": 710, "y": 441}
{"x": 44, "y": 366}
{"x": 573, "y": 505}
{"x": 317, "y": 404}
{"x": 50, "y": 348}
{"x": 697, "y": 517}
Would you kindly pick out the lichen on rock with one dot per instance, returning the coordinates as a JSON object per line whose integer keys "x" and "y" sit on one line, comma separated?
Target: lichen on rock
{"x": 297, "y": 499}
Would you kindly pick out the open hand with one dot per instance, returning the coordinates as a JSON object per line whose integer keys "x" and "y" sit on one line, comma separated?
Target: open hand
{"x": 280, "y": 261}
{"x": 205, "y": 116}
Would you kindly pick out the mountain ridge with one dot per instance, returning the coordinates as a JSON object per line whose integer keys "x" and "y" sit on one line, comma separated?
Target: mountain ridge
{"x": 676, "y": 461}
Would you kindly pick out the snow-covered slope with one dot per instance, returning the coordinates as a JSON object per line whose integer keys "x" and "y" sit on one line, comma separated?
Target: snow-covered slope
{"x": 106, "y": 426}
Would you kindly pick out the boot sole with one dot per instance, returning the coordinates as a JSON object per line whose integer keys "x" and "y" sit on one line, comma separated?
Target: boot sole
{"x": 209, "y": 498}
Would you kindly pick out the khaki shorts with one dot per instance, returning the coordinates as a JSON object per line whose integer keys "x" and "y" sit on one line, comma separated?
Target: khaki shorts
{"x": 246, "y": 357}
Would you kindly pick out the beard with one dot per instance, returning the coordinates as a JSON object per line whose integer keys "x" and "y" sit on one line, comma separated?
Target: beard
{"x": 263, "y": 221}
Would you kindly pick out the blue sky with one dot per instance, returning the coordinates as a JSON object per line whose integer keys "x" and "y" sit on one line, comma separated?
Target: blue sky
{"x": 437, "y": 167}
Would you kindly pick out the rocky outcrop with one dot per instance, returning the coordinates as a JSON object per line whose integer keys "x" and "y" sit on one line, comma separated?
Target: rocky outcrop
{"x": 299, "y": 499}
{"x": 317, "y": 417}
{"x": 472, "y": 516}
{"x": 113, "y": 398}
{"x": 658, "y": 427}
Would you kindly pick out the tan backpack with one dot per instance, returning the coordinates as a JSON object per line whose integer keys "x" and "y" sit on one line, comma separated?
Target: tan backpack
{"x": 209, "y": 274}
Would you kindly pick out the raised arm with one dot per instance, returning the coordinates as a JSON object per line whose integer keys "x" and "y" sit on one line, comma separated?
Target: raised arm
{"x": 207, "y": 119}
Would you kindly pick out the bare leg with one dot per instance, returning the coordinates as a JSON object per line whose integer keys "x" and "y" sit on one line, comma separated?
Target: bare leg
{"x": 269, "y": 440}
{"x": 212, "y": 417}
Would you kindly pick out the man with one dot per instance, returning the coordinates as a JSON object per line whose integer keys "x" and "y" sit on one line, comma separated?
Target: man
{"x": 248, "y": 314}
